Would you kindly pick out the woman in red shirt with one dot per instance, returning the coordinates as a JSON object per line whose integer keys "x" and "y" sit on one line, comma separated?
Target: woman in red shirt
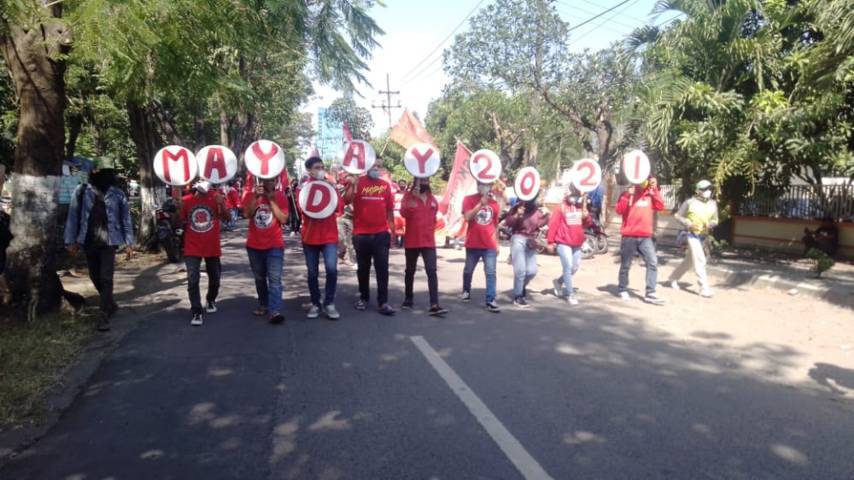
{"x": 418, "y": 208}
{"x": 566, "y": 235}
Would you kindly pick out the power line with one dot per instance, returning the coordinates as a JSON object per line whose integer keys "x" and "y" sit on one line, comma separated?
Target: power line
{"x": 599, "y": 25}
{"x": 462, "y": 22}
{"x": 605, "y": 12}
{"x": 588, "y": 12}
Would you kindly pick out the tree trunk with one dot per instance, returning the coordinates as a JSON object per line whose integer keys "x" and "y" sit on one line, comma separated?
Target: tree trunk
{"x": 151, "y": 192}
{"x": 33, "y": 58}
{"x": 74, "y": 128}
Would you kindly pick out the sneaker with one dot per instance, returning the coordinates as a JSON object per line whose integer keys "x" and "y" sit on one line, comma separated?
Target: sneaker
{"x": 197, "y": 320}
{"x": 104, "y": 324}
{"x": 360, "y": 305}
{"x": 492, "y": 307}
{"x": 625, "y": 296}
{"x": 331, "y": 312}
{"x": 277, "y": 318}
{"x": 675, "y": 285}
{"x": 406, "y": 305}
{"x": 210, "y": 307}
{"x": 386, "y": 310}
{"x": 437, "y": 311}
{"x": 557, "y": 283}
{"x": 466, "y": 296}
{"x": 313, "y": 312}
{"x": 653, "y": 299}
{"x": 520, "y": 302}
{"x": 706, "y": 293}
{"x": 572, "y": 300}
{"x": 306, "y": 306}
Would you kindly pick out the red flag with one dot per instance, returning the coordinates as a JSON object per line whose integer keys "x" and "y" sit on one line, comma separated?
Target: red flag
{"x": 347, "y": 135}
{"x": 408, "y": 131}
{"x": 460, "y": 183}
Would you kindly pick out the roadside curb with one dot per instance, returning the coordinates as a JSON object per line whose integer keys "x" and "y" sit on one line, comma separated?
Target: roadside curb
{"x": 817, "y": 290}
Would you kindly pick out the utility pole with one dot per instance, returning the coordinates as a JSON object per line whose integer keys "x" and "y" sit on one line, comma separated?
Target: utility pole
{"x": 386, "y": 105}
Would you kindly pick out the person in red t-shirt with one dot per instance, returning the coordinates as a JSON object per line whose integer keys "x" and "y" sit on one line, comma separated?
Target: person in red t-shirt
{"x": 267, "y": 210}
{"x": 399, "y": 221}
{"x": 373, "y": 222}
{"x": 232, "y": 203}
{"x": 202, "y": 213}
{"x": 566, "y": 235}
{"x": 320, "y": 238}
{"x": 638, "y": 206}
{"x": 480, "y": 211}
{"x": 419, "y": 208}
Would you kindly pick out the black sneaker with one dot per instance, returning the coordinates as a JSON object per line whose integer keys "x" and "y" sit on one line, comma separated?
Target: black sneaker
{"x": 466, "y": 296}
{"x": 197, "y": 320}
{"x": 437, "y": 311}
{"x": 521, "y": 302}
{"x": 386, "y": 310}
{"x": 277, "y": 319}
{"x": 406, "y": 305}
{"x": 104, "y": 324}
{"x": 492, "y": 307}
{"x": 210, "y": 307}
{"x": 360, "y": 305}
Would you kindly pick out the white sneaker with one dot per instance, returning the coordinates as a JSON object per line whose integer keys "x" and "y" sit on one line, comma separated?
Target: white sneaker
{"x": 706, "y": 293}
{"x": 466, "y": 296}
{"x": 675, "y": 285}
{"x": 211, "y": 307}
{"x": 625, "y": 296}
{"x": 557, "y": 285}
{"x": 572, "y": 300}
{"x": 331, "y": 312}
{"x": 653, "y": 299}
{"x": 197, "y": 320}
{"x": 313, "y": 312}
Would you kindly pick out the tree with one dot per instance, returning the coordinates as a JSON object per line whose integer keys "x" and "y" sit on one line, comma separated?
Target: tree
{"x": 358, "y": 119}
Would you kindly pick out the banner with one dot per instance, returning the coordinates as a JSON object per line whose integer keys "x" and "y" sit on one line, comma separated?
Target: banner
{"x": 460, "y": 183}
{"x": 408, "y": 131}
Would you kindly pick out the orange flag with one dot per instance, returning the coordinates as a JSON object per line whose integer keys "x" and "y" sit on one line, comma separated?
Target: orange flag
{"x": 408, "y": 131}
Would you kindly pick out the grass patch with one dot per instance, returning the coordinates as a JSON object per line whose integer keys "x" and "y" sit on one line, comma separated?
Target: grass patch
{"x": 33, "y": 358}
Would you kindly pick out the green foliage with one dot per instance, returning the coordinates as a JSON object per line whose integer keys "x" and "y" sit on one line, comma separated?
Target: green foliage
{"x": 821, "y": 261}
{"x": 358, "y": 118}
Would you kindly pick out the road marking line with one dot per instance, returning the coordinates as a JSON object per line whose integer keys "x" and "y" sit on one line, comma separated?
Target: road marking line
{"x": 521, "y": 459}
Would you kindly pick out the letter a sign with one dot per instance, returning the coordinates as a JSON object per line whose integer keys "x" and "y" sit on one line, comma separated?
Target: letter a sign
{"x": 217, "y": 164}
{"x": 318, "y": 200}
{"x": 422, "y": 160}
{"x": 527, "y": 184}
{"x": 175, "y": 165}
{"x": 264, "y": 159}
{"x": 358, "y": 157}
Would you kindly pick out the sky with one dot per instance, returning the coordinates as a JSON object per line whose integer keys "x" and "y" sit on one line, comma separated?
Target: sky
{"x": 414, "y": 29}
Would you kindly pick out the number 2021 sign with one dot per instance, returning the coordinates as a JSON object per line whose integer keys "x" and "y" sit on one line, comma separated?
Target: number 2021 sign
{"x": 586, "y": 175}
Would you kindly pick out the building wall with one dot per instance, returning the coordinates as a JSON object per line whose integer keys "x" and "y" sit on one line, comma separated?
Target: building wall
{"x": 785, "y": 234}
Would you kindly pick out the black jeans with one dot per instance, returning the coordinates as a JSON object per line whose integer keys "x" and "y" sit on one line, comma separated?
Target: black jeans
{"x": 102, "y": 264}
{"x": 214, "y": 270}
{"x": 372, "y": 248}
{"x": 429, "y": 256}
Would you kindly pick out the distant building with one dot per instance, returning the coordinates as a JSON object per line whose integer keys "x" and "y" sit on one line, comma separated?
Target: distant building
{"x": 330, "y": 136}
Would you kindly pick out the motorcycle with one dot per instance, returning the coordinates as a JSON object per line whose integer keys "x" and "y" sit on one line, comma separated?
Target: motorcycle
{"x": 171, "y": 238}
{"x": 595, "y": 240}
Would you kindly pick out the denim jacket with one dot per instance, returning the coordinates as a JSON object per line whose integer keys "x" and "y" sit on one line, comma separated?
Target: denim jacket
{"x": 119, "y": 225}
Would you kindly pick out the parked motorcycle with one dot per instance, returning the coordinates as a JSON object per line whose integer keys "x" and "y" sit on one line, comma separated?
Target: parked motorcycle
{"x": 170, "y": 237}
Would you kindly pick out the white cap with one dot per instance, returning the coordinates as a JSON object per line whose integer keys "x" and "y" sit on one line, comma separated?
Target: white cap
{"x": 704, "y": 185}
{"x": 203, "y": 186}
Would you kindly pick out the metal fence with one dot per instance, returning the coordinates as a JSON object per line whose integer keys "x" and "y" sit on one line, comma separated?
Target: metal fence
{"x": 801, "y": 201}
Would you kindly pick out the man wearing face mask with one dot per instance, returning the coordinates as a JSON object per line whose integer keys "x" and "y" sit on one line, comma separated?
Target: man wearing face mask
{"x": 566, "y": 235}
{"x": 99, "y": 220}
{"x": 699, "y": 214}
{"x": 638, "y": 205}
{"x": 320, "y": 239}
{"x": 481, "y": 213}
{"x": 373, "y": 222}
{"x": 419, "y": 208}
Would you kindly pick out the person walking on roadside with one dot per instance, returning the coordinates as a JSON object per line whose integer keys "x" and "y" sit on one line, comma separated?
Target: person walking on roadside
{"x": 419, "y": 208}
{"x": 373, "y": 222}
{"x": 267, "y": 211}
{"x": 637, "y": 206}
{"x": 566, "y": 236}
{"x": 99, "y": 220}
{"x": 524, "y": 220}
{"x": 699, "y": 215}
{"x": 320, "y": 239}
{"x": 480, "y": 211}
{"x": 203, "y": 212}
{"x": 232, "y": 205}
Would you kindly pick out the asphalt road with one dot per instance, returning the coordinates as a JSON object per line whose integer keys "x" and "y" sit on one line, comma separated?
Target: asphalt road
{"x": 551, "y": 391}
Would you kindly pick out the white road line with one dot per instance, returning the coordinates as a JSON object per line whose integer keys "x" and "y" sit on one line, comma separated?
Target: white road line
{"x": 521, "y": 459}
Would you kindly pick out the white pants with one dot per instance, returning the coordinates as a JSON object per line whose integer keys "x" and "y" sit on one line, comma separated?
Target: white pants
{"x": 696, "y": 257}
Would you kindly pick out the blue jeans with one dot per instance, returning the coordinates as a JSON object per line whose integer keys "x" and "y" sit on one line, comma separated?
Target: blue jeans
{"x": 232, "y": 219}
{"x": 330, "y": 264}
{"x": 524, "y": 264}
{"x": 490, "y": 257}
{"x": 629, "y": 247}
{"x": 570, "y": 260}
{"x": 267, "y": 268}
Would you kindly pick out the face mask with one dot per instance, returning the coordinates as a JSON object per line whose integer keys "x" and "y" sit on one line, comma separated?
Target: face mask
{"x": 374, "y": 174}
{"x": 707, "y": 194}
{"x": 319, "y": 175}
{"x": 483, "y": 189}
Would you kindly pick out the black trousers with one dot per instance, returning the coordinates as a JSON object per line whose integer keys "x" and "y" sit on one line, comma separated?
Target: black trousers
{"x": 372, "y": 248}
{"x": 429, "y": 256}
{"x": 101, "y": 262}
{"x": 214, "y": 270}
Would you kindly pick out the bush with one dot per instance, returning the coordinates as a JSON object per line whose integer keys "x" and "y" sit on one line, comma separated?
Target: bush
{"x": 821, "y": 261}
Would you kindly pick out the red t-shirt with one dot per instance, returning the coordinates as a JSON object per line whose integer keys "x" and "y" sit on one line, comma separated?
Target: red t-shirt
{"x": 323, "y": 231}
{"x": 567, "y": 225}
{"x": 372, "y": 202}
{"x": 420, "y": 220}
{"x": 481, "y": 228}
{"x": 201, "y": 235}
{"x": 265, "y": 231}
